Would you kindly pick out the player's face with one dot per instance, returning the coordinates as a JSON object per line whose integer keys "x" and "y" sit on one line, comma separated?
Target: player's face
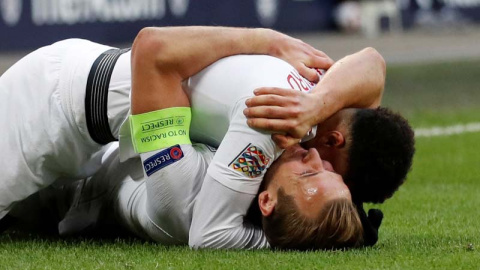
{"x": 337, "y": 157}
{"x": 308, "y": 178}
{"x": 333, "y": 140}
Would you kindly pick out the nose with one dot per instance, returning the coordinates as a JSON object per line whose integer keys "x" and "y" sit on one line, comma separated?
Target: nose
{"x": 312, "y": 157}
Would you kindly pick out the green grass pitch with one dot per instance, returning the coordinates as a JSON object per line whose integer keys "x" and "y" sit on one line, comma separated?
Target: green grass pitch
{"x": 431, "y": 223}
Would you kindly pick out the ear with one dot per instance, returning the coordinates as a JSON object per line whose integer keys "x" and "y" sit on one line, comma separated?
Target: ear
{"x": 266, "y": 203}
{"x": 335, "y": 139}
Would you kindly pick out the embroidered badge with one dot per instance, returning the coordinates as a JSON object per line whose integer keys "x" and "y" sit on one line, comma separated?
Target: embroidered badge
{"x": 251, "y": 161}
{"x": 162, "y": 159}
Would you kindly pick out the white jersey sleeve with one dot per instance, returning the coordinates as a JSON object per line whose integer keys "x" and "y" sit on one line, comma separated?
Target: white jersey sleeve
{"x": 161, "y": 209}
{"x": 232, "y": 182}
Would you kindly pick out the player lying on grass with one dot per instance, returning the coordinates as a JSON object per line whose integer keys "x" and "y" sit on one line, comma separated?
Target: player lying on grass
{"x": 112, "y": 201}
{"x": 178, "y": 206}
{"x": 60, "y": 104}
{"x": 121, "y": 83}
{"x": 355, "y": 81}
{"x": 374, "y": 168}
{"x": 160, "y": 124}
{"x": 163, "y": 209}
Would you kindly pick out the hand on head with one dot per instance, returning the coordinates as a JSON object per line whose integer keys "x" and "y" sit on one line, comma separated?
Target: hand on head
{"x": 283, "y": 111}
{"x": 302, "y": 56}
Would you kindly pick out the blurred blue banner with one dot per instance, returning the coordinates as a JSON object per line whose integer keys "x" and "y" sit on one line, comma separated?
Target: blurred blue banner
{"x": 439, "y": 12}
{"x": 34, "y": 23}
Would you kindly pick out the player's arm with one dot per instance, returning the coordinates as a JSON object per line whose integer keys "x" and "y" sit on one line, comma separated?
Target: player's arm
{"x": 219, "y": 221}
{"x": 229, "y": 188}
{"x": 355, "y": 81}
{"x": 163, "y": 57}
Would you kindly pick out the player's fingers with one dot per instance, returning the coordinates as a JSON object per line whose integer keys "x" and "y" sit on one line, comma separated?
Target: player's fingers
{"x": 320, "y": 62}
{"x": 270, "y": 112}
{"x": 312, "y": 50}
{"x": 321, "y": 53}
{"x": 314, "y": 56}
{"x": 284, "y": 141}
{"x": 308, "y": 73}
{"x": 273, "y": 125}
{"x": 266, "y": 100}
{"x": 280, "y": 140}
{"x": 274, "y": 91}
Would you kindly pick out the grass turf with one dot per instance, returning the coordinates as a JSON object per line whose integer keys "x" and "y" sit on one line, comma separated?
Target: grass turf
{"x": 431, "y": 223}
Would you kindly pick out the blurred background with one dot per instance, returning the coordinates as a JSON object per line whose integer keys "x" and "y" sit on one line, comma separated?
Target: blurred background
{"x": 432, "y": 49}
{"x": 403, "y": 30}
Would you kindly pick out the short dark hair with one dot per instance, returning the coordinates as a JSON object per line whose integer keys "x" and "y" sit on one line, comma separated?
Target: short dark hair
{"x": 380, "y": 155}
{"x": 336, "y": 226}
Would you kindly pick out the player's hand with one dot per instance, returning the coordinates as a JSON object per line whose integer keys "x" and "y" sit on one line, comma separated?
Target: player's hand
{"x": 284, "y": 141}
{"x": 283, "y": 111}
{"x": 300, "y": 55}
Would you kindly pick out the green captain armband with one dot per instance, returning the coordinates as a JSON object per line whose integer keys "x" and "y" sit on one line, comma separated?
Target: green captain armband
{"x": 160, "y": 129}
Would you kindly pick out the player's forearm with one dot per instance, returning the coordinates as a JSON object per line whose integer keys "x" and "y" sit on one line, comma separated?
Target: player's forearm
{"x": 163, "y": 57}
{"x": 355, "y": 81}
{"x": 187, "y": 50}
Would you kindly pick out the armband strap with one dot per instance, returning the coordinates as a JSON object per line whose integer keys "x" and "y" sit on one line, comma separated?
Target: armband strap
{"x": 160, "y": 129}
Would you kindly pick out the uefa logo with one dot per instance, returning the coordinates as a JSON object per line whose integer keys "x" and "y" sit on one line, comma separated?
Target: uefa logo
{"x": 11, "y": 11}
{"x": 267, "y": 11}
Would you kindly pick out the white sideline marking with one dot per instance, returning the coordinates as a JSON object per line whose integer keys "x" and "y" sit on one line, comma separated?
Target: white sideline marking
{"x": 448, "y": 130}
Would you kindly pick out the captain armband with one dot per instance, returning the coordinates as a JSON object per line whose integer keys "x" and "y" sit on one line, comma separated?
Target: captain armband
{"x": 160, "y": 129}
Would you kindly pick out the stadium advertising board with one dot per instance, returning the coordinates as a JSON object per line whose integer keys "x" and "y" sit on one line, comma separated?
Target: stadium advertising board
{"x": 33, "y": 23}
{"x": 439, "y": 11}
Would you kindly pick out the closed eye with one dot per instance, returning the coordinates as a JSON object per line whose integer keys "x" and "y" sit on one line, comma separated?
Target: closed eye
{"x": 308, "y": 174}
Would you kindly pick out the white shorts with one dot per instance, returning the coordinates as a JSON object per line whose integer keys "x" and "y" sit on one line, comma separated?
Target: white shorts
{"x": 44, "y": 136}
